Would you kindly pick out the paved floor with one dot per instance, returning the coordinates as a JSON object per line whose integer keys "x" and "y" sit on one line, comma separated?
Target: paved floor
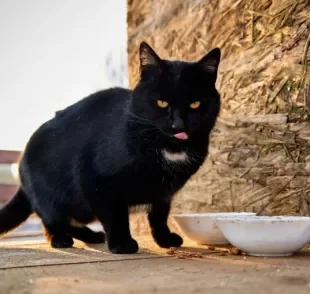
{"x": 33, "y": 267}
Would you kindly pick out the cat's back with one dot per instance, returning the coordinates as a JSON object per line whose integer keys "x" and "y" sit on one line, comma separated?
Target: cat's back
{"x": 100, "y": 105}
{"x": 79, "y": 124}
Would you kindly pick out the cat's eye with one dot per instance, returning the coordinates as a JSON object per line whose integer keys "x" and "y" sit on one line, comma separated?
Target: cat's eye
{"x": 162, "y": 104}
{"x": 195, "y": 105}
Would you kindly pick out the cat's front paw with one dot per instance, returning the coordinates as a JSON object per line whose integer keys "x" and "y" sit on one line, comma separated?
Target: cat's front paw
{"x": 128, "y": 247}
{"x": 169, "y": 240}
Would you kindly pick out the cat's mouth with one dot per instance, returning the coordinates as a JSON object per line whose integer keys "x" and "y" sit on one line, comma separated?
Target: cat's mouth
{"x": 181, "y": 136}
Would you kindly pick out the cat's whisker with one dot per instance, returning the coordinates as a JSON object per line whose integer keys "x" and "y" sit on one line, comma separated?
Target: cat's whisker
{"x": 141, "y": 122}
{"x": 138, "y": 117}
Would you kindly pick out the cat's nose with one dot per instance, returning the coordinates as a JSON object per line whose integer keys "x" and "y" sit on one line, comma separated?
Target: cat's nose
{"x": 178, "y": 125}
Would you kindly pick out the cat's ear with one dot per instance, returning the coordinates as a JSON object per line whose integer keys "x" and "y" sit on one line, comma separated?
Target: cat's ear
{"x": 210, "y": 62}
{"x": 148, "y": 57}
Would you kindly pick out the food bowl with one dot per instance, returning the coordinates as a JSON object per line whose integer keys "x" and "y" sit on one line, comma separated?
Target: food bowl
{"x": 266, "y": 235}
{"x": 202, "y": 228}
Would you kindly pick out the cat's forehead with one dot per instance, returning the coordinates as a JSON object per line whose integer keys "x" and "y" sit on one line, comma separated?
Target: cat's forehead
{"x": 177, "y": 69}
{"x": 178, "y": 77}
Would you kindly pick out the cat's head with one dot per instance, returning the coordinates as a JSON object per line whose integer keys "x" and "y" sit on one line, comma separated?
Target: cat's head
{"x": 175, "y": 97}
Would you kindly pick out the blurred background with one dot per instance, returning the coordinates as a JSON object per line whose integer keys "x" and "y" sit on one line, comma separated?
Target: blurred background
{"x": 54, "y": 53}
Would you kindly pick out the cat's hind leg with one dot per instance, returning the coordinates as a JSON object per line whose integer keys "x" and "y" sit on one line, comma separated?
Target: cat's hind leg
{"x": 56, "y": 228}
{"x": 85, "y": 234}
{"x": 58, "y": 239}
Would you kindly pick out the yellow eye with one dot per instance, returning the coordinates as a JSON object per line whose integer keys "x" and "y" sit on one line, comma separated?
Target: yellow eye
{"x": 195, "y": 105}
{"x": 162, "y": 104}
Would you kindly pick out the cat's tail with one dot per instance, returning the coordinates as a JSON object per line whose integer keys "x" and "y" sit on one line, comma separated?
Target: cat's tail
{"x": 15, "y": 212}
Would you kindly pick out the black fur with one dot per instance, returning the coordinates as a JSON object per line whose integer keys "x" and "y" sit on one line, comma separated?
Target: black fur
{"x": 104, "y": 154}
{"x": 15, "y": 212}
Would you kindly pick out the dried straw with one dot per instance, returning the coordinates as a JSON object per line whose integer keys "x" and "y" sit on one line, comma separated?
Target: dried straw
{"x": 262, "y": 138}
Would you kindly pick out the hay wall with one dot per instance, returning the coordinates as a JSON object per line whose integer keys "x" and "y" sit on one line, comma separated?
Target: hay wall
{"x": 260, "y": 149}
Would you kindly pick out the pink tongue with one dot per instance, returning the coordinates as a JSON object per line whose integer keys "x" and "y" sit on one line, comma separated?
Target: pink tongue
{"x": 181, "y": 136}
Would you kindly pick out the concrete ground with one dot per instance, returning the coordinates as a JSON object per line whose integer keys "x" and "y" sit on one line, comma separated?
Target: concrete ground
{"x": 31, "y": 266}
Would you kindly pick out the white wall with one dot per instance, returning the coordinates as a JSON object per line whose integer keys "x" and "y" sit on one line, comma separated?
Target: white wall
{"x": 52, "y": 53}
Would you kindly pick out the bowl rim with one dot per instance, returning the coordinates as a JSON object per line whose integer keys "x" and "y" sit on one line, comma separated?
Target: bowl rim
{"x": 213, "y": 214}
{"x": 265, "y": 219}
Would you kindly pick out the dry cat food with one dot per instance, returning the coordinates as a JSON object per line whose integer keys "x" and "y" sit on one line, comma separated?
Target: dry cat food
{"x": 183, "y": 254}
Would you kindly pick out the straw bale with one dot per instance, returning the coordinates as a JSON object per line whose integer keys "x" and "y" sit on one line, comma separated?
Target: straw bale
{"x": 259, "y": 154}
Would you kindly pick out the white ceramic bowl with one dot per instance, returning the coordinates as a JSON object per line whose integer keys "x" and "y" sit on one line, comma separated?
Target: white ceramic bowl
{"x": 202, "y": 228}
{"x": 266, "y": 235}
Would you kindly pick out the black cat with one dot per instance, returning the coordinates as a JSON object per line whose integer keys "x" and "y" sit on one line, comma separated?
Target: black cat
{"x": 117, "y": 149}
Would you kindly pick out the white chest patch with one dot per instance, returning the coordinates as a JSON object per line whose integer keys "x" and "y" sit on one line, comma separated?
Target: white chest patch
{"x": 175, "y": 157}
